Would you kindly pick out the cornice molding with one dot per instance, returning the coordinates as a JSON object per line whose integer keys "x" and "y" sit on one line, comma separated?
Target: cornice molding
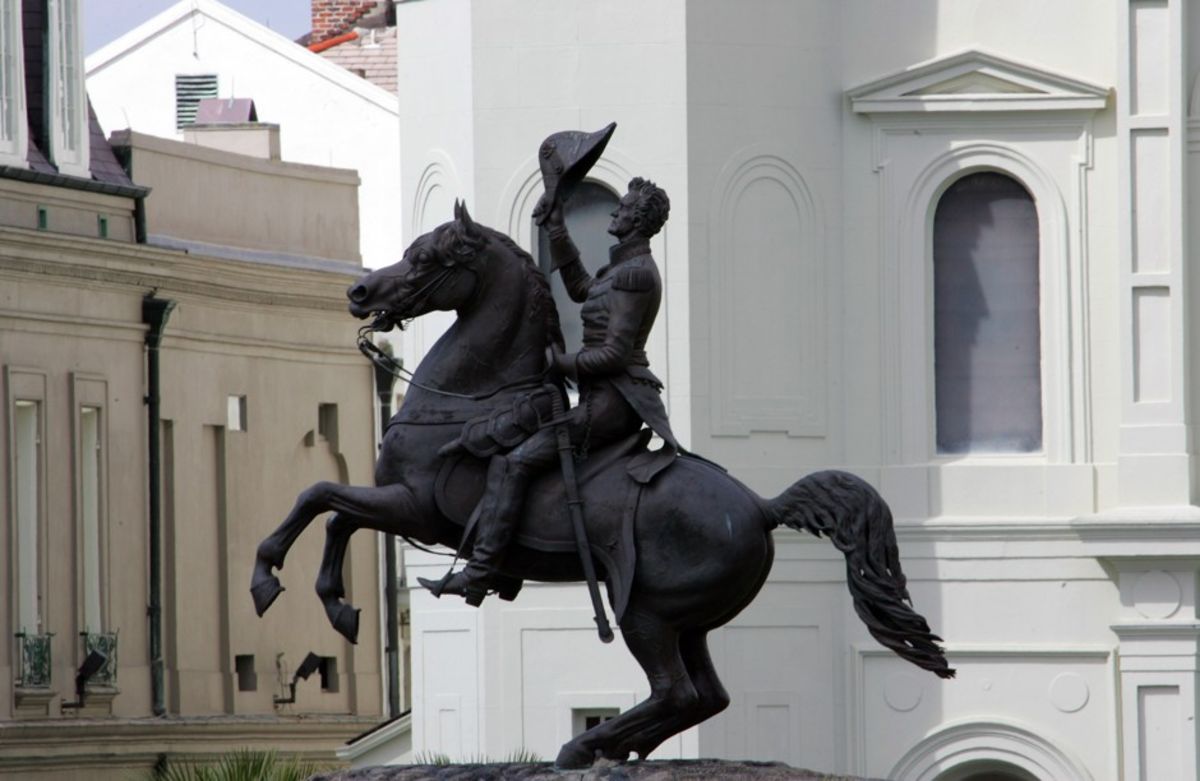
{"x": 94, "y": 261}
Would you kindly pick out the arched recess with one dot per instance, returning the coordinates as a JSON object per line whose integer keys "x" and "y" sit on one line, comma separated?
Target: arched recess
{"x": 908, "y": 302}
{"x": 433, "y": 201}
{"x": 767, "y": 300}
{"x": 438, "y": 178}
{"x": 992, "y": 741}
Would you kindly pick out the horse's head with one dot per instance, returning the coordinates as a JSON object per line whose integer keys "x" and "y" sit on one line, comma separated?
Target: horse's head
{"x": 439, "y": 271}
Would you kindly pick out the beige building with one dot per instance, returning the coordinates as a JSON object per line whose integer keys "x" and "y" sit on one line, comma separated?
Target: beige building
{"x": 234, "y": 267}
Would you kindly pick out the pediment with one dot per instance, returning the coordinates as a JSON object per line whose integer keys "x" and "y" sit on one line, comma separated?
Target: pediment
{"x": 975, "y": 81}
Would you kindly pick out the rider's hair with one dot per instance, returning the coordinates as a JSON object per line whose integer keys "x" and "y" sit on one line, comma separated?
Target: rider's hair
{"x": 653, "y": 205}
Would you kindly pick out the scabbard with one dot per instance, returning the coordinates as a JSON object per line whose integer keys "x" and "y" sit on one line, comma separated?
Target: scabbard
{"x": 575, "y": 508}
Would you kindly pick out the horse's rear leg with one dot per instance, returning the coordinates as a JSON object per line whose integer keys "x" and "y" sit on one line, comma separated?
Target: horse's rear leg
{"x": 390, "y": 503}
{"x": 693, "y": 647}
{"x": 655, "y": 645}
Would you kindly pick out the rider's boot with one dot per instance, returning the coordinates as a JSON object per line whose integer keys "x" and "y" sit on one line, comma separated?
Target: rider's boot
{"x": 498, "y": 513}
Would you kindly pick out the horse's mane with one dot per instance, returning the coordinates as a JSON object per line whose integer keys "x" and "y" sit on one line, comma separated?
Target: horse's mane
{"x": 541, "y": 299}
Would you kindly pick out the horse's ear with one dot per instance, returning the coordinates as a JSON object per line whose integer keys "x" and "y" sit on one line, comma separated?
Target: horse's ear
{"x": 464, "y": 218}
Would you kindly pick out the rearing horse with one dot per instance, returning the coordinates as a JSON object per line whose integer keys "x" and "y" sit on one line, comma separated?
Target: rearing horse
{"x": 702, "y": 539}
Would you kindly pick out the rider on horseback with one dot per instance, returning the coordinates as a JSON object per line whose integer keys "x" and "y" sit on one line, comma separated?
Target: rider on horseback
{"x": 617, "y": 390}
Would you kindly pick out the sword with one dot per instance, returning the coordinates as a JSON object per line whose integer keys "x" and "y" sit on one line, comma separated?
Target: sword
{"x": 575, "y": 508}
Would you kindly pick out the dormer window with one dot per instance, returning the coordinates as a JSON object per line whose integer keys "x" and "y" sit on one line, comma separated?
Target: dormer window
{"x": 13, "y": 128}
{"x": 66, "y": 107}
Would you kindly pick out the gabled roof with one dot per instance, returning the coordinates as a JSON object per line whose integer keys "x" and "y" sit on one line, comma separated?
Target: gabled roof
{"x": 252, "y": 30}
{"x": 975, "y": 81}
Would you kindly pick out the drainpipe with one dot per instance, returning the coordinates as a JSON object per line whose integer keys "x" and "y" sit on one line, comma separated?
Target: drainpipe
{"x": 155, "y": 312}
{"x": 384, "y": 382}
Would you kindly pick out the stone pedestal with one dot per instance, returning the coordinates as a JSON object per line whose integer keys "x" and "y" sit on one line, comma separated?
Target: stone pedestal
{"x": 666, "y": 770}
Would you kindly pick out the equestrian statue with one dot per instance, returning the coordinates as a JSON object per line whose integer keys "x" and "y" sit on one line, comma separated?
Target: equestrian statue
{"x": 469, "y": 460}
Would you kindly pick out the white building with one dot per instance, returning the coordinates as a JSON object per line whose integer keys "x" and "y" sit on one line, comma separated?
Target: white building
{"x": 941, "y": 244}
{"x": 151, "y": 78}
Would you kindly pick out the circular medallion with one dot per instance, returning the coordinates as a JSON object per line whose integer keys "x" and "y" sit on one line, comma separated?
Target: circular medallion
{"x": 1157, "y": 594}
{"x": 902, "y": 692}
{"x": 1069, "y": 692}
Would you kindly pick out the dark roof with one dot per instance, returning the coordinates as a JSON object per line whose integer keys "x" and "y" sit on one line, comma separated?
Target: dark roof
{"x": 107, "y": 175}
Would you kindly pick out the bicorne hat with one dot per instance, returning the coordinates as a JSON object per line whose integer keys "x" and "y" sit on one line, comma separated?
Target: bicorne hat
{"x": 566, "y": 157}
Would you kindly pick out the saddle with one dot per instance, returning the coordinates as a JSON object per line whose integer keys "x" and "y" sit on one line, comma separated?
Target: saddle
{"x": 610, "y": 498}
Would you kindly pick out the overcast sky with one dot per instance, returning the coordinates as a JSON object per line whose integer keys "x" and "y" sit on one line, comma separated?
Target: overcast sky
{"x": 107, "y": 20}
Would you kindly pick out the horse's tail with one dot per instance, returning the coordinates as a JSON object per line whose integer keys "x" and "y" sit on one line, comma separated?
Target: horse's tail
{"x": 859, "y": 523}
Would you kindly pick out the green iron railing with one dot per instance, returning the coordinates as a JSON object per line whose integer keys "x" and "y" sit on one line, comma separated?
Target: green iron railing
{"x": 33, "y": 661}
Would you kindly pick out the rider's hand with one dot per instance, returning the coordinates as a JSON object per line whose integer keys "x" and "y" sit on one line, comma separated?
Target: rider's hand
{"x": 560, "y": 362}
{"x": 548, "y": 214}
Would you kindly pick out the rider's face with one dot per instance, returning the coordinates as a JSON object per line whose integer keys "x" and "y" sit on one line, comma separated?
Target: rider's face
{"x": 623, "y": 224}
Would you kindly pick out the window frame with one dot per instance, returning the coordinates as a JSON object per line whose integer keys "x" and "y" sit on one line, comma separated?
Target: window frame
{"x": 936, "y": 455}
{"x": 68, "y": 129}
{"x": 1053, "y": 304}
{"x": 91, "y": 391}
{"x": 14, "y": 128}
{"x": 23, "y": 384}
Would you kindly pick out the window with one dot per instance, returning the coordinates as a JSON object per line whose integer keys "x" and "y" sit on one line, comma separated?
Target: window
{"x": 189, "y": 91}
{"x": 247, "y": 677}
{"x": 13, "y": 127}
{"x": 986, "y": 770}
{"x": 65, "y": 100}
{"x": 584, "y": 719}
{"x": 236, "y": 413}
{"x": 329, "y": 674}
{"x": 588, "y": 214}
{"x": 27, "y": 507}
{"x": 90, "y": 476}
{"x": 987, "y": 331}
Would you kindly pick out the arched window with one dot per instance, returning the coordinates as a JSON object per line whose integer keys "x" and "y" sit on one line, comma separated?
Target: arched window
{"x": 986, "y": 770}
{"x": 588, "y": 214}
{"x": 987, "y": 334}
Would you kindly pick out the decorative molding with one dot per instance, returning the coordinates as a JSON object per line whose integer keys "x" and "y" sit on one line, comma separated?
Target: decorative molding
{"x": 804, "y": 411}
{"x": 955, "y": 739}
{"x": 439, "y": 171}
{"x": 908, "y": 209}
{"x": 121, "y": 266}
{"x": 975, "y": 81}
{"x": 988, "y": 740}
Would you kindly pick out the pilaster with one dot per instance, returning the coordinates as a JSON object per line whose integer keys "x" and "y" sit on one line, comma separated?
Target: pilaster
{"x": 1153, "y": 460}
{"x": 1159, "y": 639}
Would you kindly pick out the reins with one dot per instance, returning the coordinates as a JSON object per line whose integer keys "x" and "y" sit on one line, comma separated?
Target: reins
{"x": 391, "y": 366}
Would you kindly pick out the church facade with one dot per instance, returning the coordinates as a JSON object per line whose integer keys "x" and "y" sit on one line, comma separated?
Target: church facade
{"x": 942, "y": 245}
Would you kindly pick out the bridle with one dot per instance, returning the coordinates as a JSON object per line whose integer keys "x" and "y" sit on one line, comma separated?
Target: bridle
{"x": 390, "y": 365}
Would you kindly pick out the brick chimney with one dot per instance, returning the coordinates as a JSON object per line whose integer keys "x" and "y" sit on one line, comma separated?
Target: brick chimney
{"x": 334, "y": 17}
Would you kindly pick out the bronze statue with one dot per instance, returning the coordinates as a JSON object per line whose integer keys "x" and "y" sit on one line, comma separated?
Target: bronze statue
{"x": 617, "y": 390}
{"x": 681, "y": 546}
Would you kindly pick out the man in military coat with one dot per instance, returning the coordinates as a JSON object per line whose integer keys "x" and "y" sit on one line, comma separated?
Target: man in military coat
{"x": 617, "y": 390}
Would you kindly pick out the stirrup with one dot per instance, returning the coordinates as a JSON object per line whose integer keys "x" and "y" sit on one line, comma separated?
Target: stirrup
{"x": 471, "y": 589}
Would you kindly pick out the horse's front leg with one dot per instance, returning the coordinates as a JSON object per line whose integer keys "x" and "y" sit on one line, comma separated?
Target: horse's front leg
{"x": 330, "y": 584}
{"x": 390, "y": 504}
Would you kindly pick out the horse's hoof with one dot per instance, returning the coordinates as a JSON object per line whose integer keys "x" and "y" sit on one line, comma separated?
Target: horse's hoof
{"x": 265, "y": 591}
{"x": 574, "y": 757}
{"x": 344, "y": 619}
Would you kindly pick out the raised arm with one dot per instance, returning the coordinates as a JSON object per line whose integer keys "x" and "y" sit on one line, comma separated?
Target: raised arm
{"x": 564, "y": 256}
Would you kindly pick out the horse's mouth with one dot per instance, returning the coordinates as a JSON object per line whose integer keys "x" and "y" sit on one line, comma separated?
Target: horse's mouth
{"x": 383, "y": 320}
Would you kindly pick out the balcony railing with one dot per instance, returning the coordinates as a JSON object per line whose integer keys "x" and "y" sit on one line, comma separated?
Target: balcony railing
{"x": 33, "y": 661}
{"x": 105, "y": 643}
